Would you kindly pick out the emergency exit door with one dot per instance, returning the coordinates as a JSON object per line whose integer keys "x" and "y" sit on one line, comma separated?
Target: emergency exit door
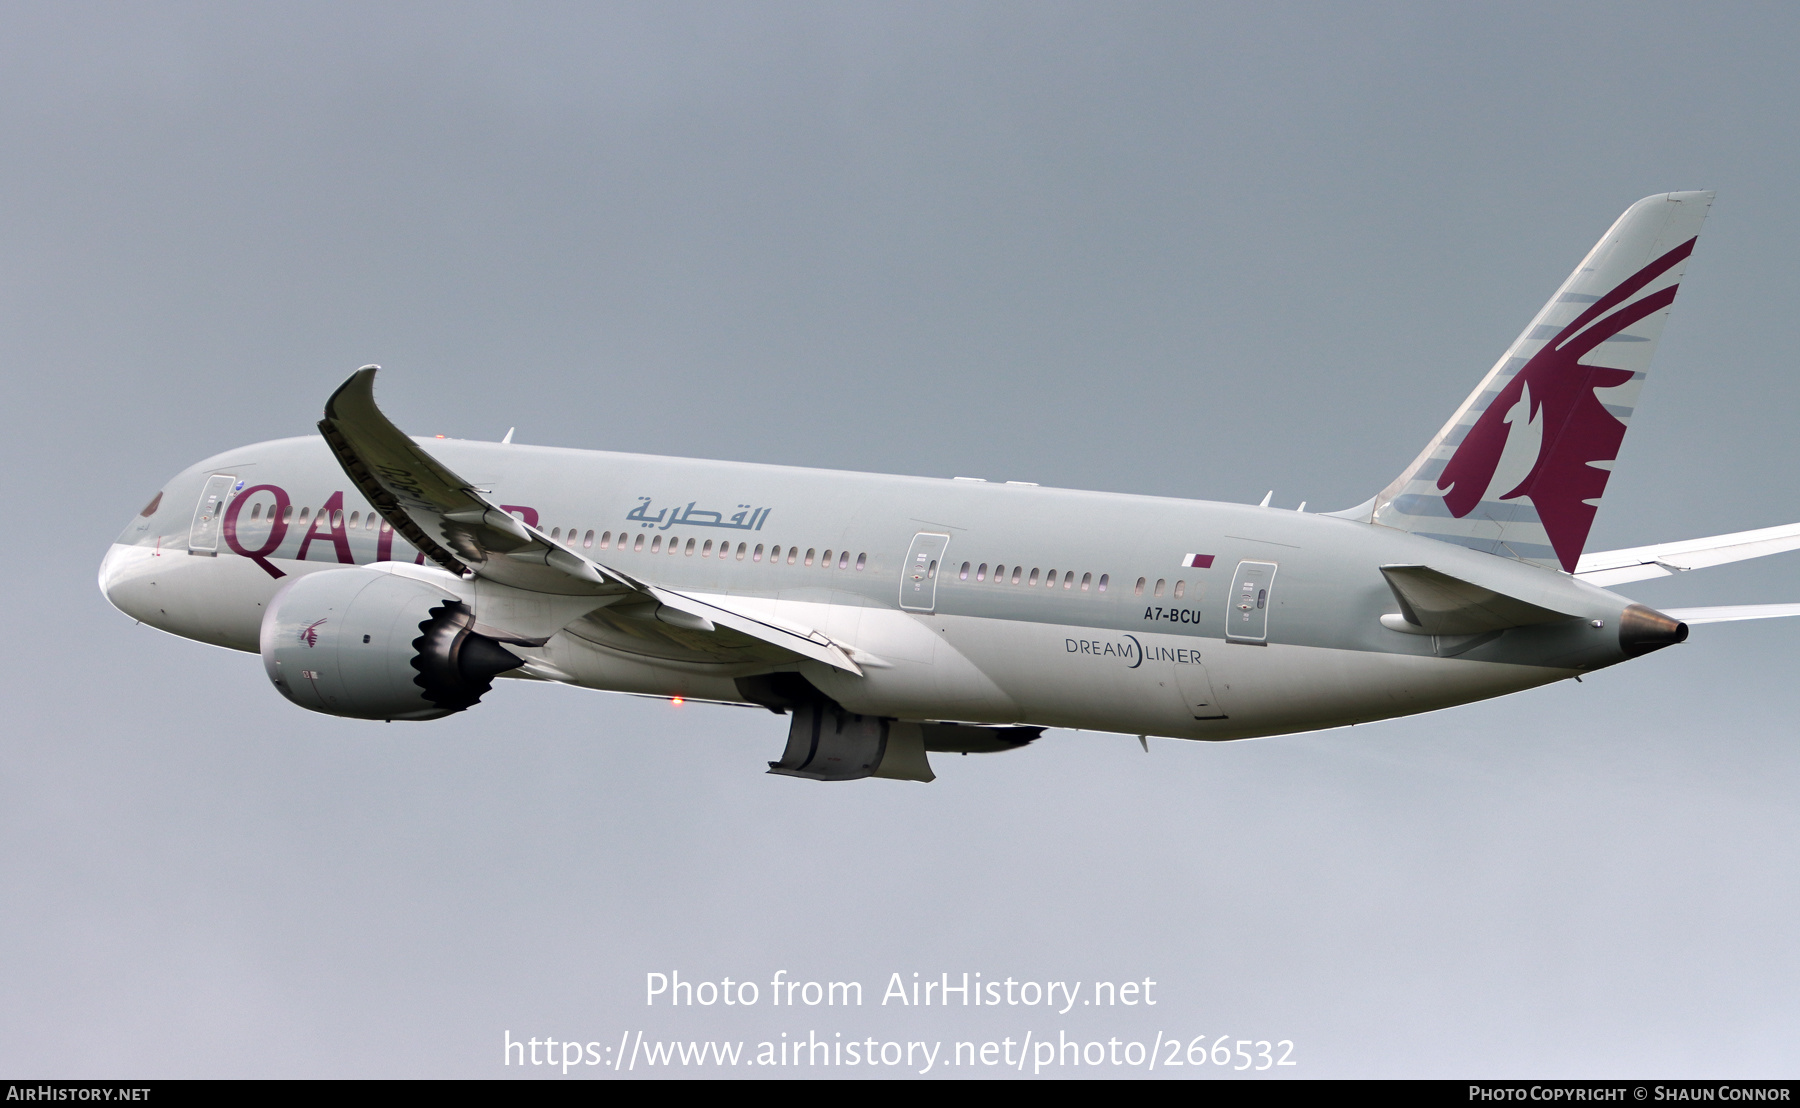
{"x": 203, "y": 536}
{"x": 918, "y": 575}
{"x": 1247, "y": 604}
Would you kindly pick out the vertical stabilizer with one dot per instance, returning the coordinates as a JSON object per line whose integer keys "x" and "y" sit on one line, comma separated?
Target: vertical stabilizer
{"x": 1520, "y": 468}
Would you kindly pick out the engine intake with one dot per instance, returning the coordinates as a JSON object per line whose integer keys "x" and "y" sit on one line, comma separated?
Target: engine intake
{"x": 372, "y": 645}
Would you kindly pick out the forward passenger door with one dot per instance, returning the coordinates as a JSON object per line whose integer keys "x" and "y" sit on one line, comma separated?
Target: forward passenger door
{"x": 203, "y": 536}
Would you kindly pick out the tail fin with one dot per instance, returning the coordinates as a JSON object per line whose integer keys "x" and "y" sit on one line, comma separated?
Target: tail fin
{"x": 1520, "y": 468}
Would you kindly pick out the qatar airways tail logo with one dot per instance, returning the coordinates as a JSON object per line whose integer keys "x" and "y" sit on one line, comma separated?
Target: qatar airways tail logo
{"x": 310, "y": 633}
{"x": 1543, "y": 433}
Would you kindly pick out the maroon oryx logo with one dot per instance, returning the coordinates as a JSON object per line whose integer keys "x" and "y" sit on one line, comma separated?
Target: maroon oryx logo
{"x": 310, "y": 633}
{"x": 1580, "y": 437}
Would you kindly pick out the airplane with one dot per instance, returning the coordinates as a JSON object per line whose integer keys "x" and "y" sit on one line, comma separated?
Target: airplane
{"x": 388, "y": 577}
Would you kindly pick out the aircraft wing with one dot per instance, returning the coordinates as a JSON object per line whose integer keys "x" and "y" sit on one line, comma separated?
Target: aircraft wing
{"x": 1640, "y": 563}
{"x": 455, "y": 525}
{"x": 1731, "y": 613}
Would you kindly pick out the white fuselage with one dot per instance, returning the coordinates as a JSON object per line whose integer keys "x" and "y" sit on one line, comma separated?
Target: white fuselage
{"x": 1109, "y": 612}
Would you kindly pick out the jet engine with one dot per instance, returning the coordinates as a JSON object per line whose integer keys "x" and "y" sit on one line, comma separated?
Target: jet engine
{"x": 826, "y": 743}
{"x": 374, "y": 645}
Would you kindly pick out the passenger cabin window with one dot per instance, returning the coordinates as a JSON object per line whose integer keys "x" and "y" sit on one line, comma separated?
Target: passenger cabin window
{"x": 1086, "y": 580}
{"x": 809, "y": 555}
{"x": 774, "y": 554}
{"x": 1139, "y": 591}
{"x": 688, "y": 550}
{"x": 636, "y": 546}
{"x": 587, "y": 541}
{"x": 861, "y": 561}
{"x": 1159, "y": 586}
{"x": 1034, "y": 577}
{"x": 1069, "y": 580}
{"x": 1103, "y": 579}
{"x": 793, "y": 554}
{"x": 756, "y": 555}
{"x": 556, "y": 533}
{"x": 843, "y": 559}
{"x": 1016, "y": 571}
{"x": 963, "y": 575}
{"x": 981, "y": 572}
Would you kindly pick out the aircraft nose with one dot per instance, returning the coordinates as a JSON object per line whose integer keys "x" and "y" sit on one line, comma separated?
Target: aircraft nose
{"x": 126, "y": 577}
{"x": 121, "y": 581}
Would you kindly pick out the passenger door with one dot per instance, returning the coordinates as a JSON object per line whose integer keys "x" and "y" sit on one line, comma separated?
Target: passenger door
{"x": 918, "y": 575}
{"x": 1247, "y": 604}
{"x": 203, "y": 536}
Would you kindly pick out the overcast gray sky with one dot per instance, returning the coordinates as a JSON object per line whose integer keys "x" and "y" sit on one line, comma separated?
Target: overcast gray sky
{"x": 1189, "y": 250}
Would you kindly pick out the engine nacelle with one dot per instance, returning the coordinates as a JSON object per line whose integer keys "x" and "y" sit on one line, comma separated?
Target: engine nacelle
{"x": 374, "y": 645}
{"x": 826, "y": 743}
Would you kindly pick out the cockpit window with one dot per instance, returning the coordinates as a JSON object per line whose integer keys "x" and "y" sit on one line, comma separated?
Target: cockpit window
{"x": 150, "y": 508}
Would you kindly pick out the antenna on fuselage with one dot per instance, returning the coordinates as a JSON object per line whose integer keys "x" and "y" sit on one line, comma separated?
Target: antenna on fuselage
{"x": 508, "y": 437}
{"x": 1267, "y": 496}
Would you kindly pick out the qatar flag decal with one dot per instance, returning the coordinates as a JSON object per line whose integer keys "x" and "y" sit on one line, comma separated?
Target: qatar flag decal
{"x": 1196, "y": 561}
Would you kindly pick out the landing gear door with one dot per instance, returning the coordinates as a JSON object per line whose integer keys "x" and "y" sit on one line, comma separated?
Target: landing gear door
{"x": 918, "y": 576}
{"x": 203, "y": 537}
{"x": 1247, "y": 604}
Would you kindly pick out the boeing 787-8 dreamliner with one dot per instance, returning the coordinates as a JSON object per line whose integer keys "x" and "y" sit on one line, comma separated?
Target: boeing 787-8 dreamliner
{"x": 385, "y": 577}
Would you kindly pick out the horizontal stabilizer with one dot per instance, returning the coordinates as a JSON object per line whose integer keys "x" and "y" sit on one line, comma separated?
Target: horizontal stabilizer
{"x": 1434, "y": 603}
{"x": 1731, "y": 613}
{"x": 1641, "y": 563}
